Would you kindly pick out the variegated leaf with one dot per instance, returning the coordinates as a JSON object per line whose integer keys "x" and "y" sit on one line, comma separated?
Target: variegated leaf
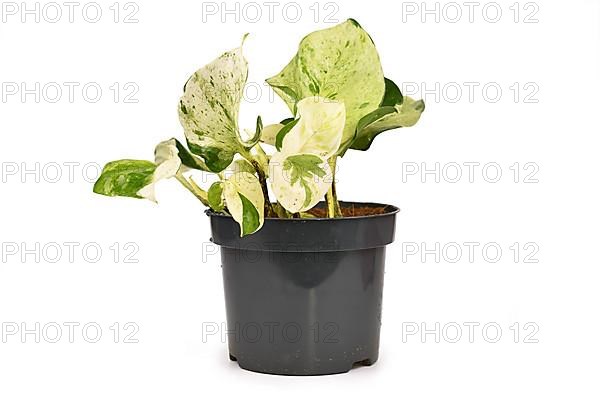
{"x": 209, "y": 109}
{"x": 269, "y": 133}
{"x": 299, "y": 180}
{"x": 171, "y": 158}
{"x": 125, "y": 178}
{"x": 245, "y": 201}
{"x": 386, "y": 118}
{"x": 215, "y": 196}
{"x": 300, "y": 174}
{"x": 339, "y": 63}
{"x": 319, "y": 129}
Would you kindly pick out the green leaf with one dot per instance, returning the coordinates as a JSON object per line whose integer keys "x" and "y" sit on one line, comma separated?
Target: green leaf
{"x": 339, "y": 63}
{"x": 284, "y": 131}
{"x": 215, "y": 196}
{"x": 216, "y": 159}
{"x": 209, "y": 108}
{"x": 392, "y": 95}
{"x": 124, "y": 178}
{"x": 251, "y": 219}
{"x": 259, "y": 126}
{"x": 386, "y": 118}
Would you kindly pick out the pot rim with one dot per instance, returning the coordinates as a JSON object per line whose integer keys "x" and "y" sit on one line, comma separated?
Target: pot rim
{"x": 389, "y": 210}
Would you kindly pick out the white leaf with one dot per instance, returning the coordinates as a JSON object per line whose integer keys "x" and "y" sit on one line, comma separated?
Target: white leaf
{"x": 319, "y": 130}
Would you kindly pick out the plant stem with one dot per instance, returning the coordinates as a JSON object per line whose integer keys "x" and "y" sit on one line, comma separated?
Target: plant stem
{"x": 281, "y": 212}
{"x": 338, "y": 208}
{"x": 262, "y": 178}
{"x": 333, "y": 206}
{"x": 261, "y": 156}
{"x": 194, "y": 189}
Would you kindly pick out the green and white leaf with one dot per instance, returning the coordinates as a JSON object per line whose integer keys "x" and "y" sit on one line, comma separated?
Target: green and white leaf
{"x": 209, "y": 108}
{"x": 171, "y": 158}
{"x": 287, "y": 127}
{"x": 319, "y": 129}
{"x": 300, "y": 174}
{"x": 339, "y": 63}
{"x": 125, "y": 178}
{"x": 238, "y": 166}
{"x": 269, "y": 133}
{"x": 216, "y": 201}
{"x": 245, "y": 202}
{"x": 137, "y": 178}
{"x": 188, "y": 159}
{"x": 252, "y": 138}
{"x": 386, "y": 118}
{"x": 299, "y": 180}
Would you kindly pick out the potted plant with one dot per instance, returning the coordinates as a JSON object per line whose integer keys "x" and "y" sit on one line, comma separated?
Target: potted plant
{"x": 303, "y": 277}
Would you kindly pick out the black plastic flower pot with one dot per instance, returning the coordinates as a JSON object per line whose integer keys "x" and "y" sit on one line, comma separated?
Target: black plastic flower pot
{"x": 303, "y": 296}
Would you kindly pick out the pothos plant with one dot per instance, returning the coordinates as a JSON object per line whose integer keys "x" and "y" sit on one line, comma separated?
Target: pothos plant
{"x": 339, "y": 100}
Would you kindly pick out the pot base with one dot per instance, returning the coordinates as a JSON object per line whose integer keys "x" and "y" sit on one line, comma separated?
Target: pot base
{"x": 357, "y": 364}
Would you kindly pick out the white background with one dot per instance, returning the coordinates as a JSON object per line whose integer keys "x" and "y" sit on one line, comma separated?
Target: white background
{"x": 175, "y": 287}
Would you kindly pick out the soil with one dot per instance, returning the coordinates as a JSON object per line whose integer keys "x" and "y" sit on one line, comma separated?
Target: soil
{"x": 349, "y": 211}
